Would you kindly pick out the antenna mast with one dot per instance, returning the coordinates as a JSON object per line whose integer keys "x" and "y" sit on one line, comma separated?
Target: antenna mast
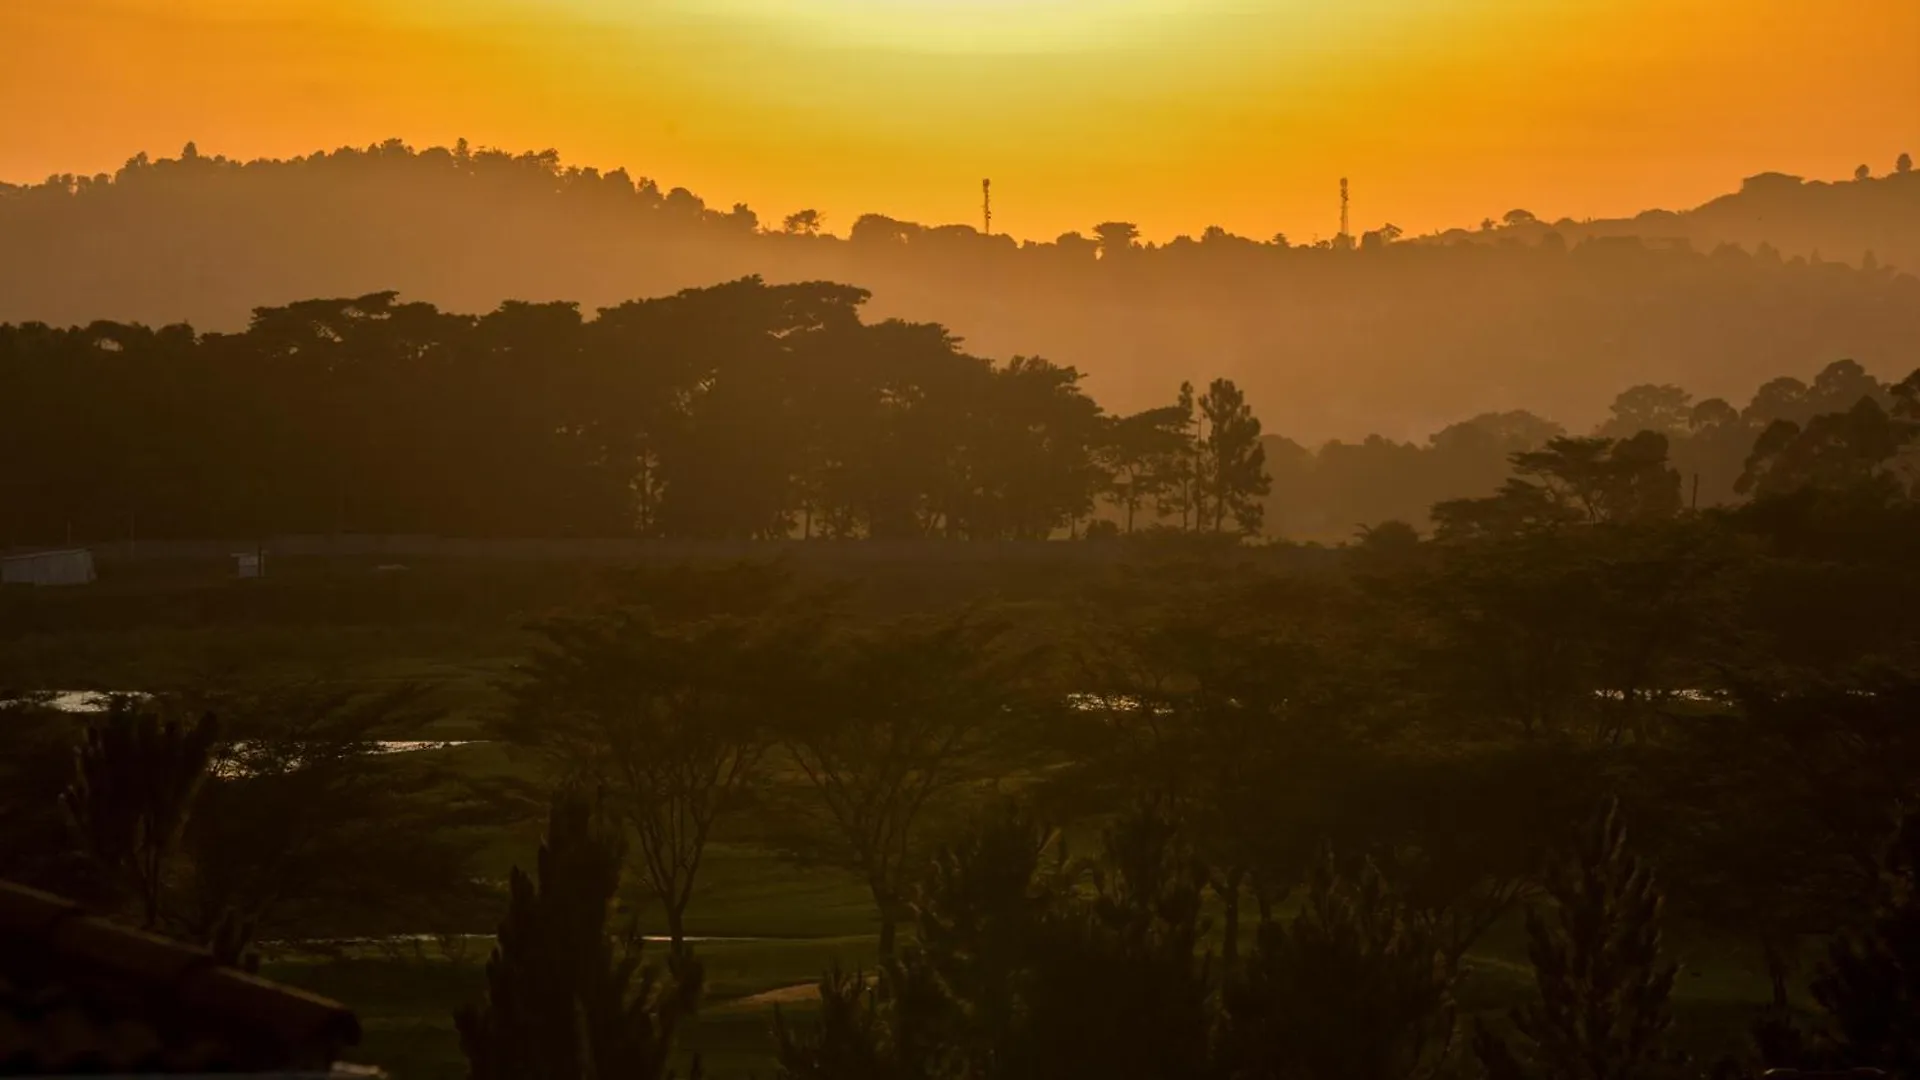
{"x": 986, "y": 206}
{"x": 1343, "y": 209}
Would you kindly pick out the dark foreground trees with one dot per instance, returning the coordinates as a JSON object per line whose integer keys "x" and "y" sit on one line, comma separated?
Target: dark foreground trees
{"x": 280, "y": 820}
{"x": 671, "y": 717}
{"x": 1017, "y": 974}
{"x": 1029, "y": 965}
{"x": 566, "y": 996}
{"x": 137, "y": 775}
{"x": 892, "y": 726}
{"x": 1603, "y": 1011}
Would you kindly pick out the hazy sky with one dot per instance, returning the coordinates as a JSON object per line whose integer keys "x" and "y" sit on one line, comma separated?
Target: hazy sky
{"x": 1175, "y": 114}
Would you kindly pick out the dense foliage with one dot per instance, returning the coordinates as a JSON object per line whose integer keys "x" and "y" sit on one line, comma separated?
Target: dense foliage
{"x": 740, "y": 412}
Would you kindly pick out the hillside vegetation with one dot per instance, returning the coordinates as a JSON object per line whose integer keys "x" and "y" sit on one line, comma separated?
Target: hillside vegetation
{"x": 1398, "y": 338}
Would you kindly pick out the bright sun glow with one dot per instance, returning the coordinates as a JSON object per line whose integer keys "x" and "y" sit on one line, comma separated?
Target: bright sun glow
{"x": 977, "y": 26}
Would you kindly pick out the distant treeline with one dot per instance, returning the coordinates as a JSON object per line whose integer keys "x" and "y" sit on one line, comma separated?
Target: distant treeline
{"x": 738, "y": 412}
{"x": 746, "y": 412}
{"x": 1868, "y": 220}
{"x": 1399, "y": 336}
{"x": 1328, "y": 492}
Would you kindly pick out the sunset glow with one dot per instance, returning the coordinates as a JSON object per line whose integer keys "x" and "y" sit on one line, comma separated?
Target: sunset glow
{"x": 1176, "y": 115}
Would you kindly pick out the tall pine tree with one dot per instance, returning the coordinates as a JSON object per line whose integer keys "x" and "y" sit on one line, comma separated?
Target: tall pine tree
{"x": 1604, "y": 1008}
{"x": 564, "y": 999}
{"x": 1233, "y": 464}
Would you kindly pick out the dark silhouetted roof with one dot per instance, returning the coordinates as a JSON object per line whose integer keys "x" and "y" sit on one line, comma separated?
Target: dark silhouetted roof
{"x": 80, "y": 994}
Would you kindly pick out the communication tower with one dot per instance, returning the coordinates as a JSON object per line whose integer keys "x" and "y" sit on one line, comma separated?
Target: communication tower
{"x": 1345, "y": 236}
{"x": 986, "y": 207}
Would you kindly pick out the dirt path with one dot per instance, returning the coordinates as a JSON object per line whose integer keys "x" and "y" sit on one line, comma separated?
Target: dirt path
{"x": 785, "y": 995}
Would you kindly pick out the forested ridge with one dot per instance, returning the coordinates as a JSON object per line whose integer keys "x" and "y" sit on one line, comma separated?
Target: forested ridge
{"x": 1397, "y": 337}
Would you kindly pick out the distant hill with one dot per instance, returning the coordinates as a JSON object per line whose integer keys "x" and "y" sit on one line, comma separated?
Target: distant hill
{"x": 1870, "y": 220}
{"x": 1396, "y": 338}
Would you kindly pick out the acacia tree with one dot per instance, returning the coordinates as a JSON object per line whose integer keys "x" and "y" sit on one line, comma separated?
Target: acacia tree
{"x": 887, "y": 724}
{"x": 669, "y": 717}
{"x": 1140, "y": 454}
{"x": 135, "y": 779}
{"x": 305, "y": 828}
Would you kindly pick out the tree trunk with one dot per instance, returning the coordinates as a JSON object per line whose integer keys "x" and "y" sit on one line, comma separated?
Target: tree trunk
{"x": 1777, "y": 969}
{"x": 1263, "y": 897}
{"x": 676, "y": 928}
{"x": 1230, "y": 896}
{"x": 888, "y": 904}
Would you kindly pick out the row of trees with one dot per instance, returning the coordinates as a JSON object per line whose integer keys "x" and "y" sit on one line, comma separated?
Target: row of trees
{"x": 744, "y": 411}
{"x": 1324, "y": 493}
{"x": 1838, "y": 212}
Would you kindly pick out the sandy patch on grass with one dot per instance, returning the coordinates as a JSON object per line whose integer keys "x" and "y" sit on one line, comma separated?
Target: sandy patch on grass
{"x": 802, "y": 993}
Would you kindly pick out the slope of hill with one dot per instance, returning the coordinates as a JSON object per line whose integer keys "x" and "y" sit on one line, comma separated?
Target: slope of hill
{"x": 1397, "y": 338}
{"x": 1869, "y": 220}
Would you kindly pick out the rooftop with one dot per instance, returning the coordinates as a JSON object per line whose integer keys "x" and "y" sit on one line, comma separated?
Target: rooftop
{"x": 82, "y": 994}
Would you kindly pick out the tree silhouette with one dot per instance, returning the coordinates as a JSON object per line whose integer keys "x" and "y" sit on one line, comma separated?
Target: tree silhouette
{"x": 1116, "y": 238}
{"x": 1604, "y": 1010}
{"x": 562, "y": 1002}
{"x": 1353, "y": 986}
{"x": 1666, "y": 410}
{"x": 1840, "y": 450}
{"x": 304, "y": 825}
{"x": 802, "y": 223}
{"x": 1573, "y": 481}
{"x": 1868, "y": 986}
{"x": 1233, "y": 464}
{"x": 670, "y": 719}
{"x": 135, "y": 779}
{"x": 1142, "y": 454}
{"x": 886, "y": 726}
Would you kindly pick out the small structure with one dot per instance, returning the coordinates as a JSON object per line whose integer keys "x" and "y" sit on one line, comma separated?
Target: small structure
{"x": 80, "y": 994}
{"x": 73, "y": 566}
{"x": 250, "y": 564}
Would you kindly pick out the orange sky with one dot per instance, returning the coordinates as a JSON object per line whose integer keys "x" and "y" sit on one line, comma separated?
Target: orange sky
{"x": 1175, "y": 114}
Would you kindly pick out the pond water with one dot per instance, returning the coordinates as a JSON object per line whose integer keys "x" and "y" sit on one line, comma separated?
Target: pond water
{"x": 97, "y": 701}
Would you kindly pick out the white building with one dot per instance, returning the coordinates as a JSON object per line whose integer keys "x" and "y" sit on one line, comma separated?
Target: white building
{"x": 72, "y": 567}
